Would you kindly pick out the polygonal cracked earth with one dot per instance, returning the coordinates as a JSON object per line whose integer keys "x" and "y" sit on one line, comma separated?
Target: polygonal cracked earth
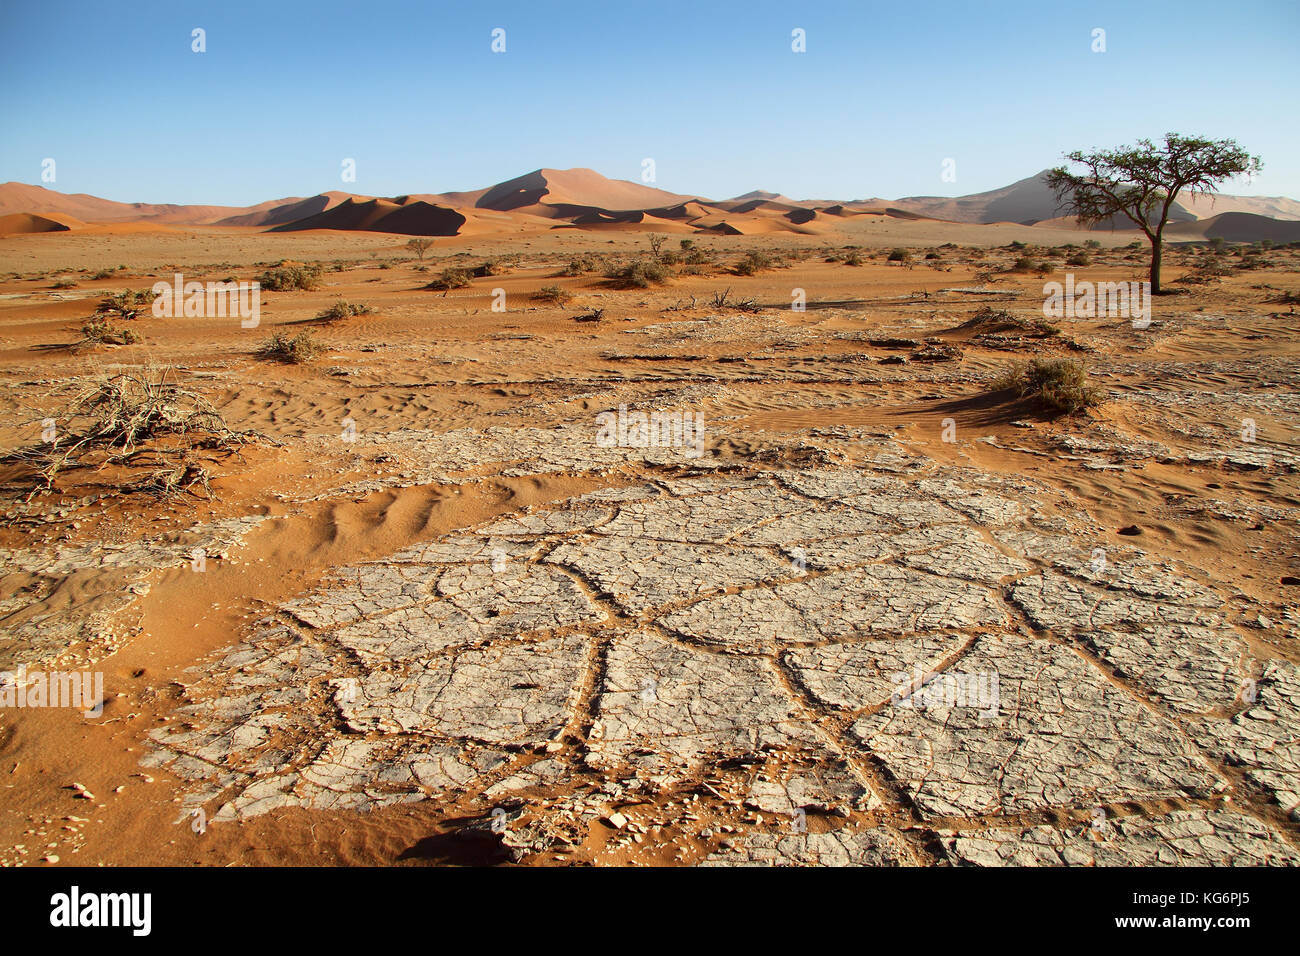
{"x": 923, "y": 632}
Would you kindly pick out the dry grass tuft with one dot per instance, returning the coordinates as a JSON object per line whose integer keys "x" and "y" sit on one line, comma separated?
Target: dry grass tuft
{"x": 343, "y": 310}
{"x": 296, "y": 349}
{"x": 552, "y": 295}
{"x": 1059, "y": 383}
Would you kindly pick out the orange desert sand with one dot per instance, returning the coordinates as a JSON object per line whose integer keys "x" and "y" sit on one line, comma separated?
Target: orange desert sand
{"x": 422, "y": 611}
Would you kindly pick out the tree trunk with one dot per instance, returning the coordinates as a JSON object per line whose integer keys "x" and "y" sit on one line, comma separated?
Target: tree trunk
{"x": 1157, "y": 247}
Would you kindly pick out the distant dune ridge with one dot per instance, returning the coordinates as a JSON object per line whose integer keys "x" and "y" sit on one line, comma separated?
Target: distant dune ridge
{"x": 584, "y": 199}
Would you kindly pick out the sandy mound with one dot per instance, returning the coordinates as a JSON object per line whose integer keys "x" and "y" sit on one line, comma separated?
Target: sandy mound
{"x": 25, "y": 222}
{"x": 1237, "y": 227}
{"x": 1274, "y": 207}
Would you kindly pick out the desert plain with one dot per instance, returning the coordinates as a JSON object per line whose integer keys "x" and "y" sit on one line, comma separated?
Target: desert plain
{"x": 399, "y": 604}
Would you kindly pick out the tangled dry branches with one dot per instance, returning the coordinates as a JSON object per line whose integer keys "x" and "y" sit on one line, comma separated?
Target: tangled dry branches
{"x": 121, "y": 416}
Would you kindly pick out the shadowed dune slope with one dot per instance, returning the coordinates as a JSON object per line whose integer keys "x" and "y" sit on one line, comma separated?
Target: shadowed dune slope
{"x": 24, "y": 222}
{"x": 416, "y": 218}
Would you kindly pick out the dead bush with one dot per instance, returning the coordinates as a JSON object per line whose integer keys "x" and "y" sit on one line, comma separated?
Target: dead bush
{"x": 1059, "y": 383}
{"x": 121, "y": 416}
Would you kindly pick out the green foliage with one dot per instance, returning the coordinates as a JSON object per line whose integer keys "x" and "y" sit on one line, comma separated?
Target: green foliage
{"x": 640, "y": 273}
{"x": 450, "y": 278}
{"x": 755, "y": 262}
{"x": 290, "y": 276}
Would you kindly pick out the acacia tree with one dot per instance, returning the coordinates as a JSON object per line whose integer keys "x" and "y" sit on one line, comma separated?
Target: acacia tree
{"x": 1142, "y": 182}
{"x": 420, "y": 246}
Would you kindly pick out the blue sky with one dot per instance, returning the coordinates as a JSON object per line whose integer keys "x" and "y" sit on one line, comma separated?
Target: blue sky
{"x": 711, "y": 91}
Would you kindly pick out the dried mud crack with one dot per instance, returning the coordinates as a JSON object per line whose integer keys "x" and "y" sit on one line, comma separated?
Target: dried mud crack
{"x": 895, "y": 663}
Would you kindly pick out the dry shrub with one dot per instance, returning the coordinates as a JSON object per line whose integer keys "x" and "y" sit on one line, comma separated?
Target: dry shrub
{"x": 290, "y": 276}
{"x": 1059, "y": 383}
{"x": 991, "y": 320}
{"x": 98, "y": 330}
{"x": 124, "y": 305}
{"x": 639, "y": 274}
{"x": 451, "y": 278}
{"x": 296, "y": 349}
{"x": 117, "y": 417}
{"x": 552, "y": 295}
{"x": 755, "y": 262}
{"x": 343, "y": 310}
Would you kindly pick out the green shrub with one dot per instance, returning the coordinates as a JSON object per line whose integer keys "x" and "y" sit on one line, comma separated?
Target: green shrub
{"x": 900, "y": 255}
{"x": 756, "y": 261}
{"x": 450, "y": 278}
{"x": 290, "y": 276}
{"x": 640, "y": 273}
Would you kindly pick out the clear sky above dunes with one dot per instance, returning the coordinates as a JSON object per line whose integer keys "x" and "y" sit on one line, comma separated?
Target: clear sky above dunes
{"x": 711, "y": 91}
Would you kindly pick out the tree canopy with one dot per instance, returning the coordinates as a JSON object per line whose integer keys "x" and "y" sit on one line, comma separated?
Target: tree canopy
{"x": 1141, "y": 182}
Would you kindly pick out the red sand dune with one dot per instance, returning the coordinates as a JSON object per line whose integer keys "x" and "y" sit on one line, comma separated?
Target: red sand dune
{"x": 414, "y": 218}
{"x": 24, "y": 222}
{"x": 1237, "y": 227}
{"x": 574, "y": 187}
{"x": 282, "y": 211}
{"x": 583, "y": 198}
